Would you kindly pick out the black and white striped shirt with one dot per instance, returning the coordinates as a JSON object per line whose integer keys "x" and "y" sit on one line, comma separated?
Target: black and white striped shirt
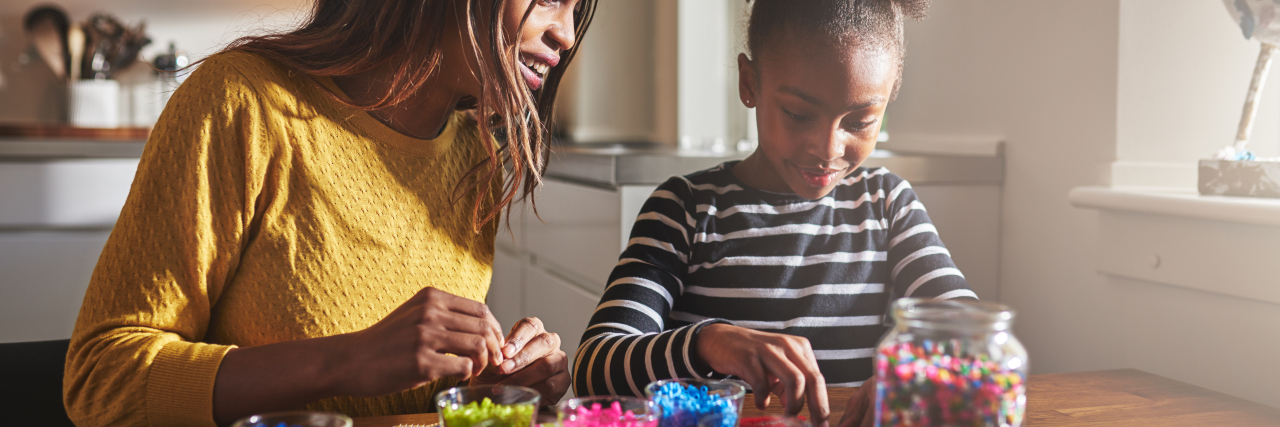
{"x": 707, "y": 248}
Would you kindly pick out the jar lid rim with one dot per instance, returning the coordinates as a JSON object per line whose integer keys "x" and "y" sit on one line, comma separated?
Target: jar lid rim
{"x": 952, "y": 311}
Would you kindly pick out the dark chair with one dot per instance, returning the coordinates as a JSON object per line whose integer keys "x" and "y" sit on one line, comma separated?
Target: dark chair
{"x": 31, "y": 383}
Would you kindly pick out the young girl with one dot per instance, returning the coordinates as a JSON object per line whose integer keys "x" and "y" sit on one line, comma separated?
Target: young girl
{"x": 312, "y": 222}
{"x": 778, "y": 269}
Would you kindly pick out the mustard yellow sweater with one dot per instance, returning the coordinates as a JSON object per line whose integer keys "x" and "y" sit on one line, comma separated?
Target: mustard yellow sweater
{"x": 263, "y": 211}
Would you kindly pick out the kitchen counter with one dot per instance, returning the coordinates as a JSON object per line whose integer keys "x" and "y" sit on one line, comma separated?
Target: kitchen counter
{"x": 613, "y": 165}
{"x": 46, "y": 142}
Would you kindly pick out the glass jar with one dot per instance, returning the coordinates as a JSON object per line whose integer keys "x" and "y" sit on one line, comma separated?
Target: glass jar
{"x": 950, "y": 363}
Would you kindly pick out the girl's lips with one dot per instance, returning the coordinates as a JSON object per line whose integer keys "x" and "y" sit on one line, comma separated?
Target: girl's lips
{"x": 818, "y": 178}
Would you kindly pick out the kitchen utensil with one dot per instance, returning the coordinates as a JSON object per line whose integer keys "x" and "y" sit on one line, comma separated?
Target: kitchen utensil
{"x": 75, "y": 50}
{"x": 112, "y": 46}
{"x": 47, "y": 28}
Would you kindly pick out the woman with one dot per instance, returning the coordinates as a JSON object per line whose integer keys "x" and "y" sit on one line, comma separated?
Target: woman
{"x": 312, "y": 222}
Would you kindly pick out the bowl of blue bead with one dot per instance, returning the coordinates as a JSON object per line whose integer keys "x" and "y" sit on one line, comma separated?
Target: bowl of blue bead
{"x": 296, "y": 419}
{"x": 686, "y": 401}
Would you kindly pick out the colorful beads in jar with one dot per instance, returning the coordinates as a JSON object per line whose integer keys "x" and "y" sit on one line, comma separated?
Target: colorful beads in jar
{"x": 950, "y": 363}
{"x": 608, "y": 411}
{"x": 684, "y": 402}
{"x": 496, "y": 406}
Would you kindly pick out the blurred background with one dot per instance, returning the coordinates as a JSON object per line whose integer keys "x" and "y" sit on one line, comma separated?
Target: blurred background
{"x": 1055, "y": 144}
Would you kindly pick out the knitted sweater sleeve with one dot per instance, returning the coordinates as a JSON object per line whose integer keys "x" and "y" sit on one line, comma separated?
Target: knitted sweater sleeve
{"x": 136, "y": 356}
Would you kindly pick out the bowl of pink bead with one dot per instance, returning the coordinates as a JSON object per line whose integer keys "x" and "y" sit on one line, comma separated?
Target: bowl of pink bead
{"x": 608, "y": 411}
{"x": 488, "y": 406}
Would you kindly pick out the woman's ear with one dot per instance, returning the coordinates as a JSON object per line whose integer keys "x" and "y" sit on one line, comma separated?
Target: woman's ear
{"x": 747, "y": 83}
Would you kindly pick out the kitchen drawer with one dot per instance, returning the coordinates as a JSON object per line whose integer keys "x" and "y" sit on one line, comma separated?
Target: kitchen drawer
{"x": 506, "y": 289}
{"x": 563, "y": 307}
{"x": 43, "y": 276}
{"x": 64, "y": 193}
{"x": 579, "y": 233}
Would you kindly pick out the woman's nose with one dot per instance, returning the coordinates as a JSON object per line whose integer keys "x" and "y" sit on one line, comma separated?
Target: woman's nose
{"x": 560, "y": 35}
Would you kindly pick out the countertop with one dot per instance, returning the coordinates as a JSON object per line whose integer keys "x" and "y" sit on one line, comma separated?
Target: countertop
{"x": 614, "y": 165}
{"x": 599, "y": 165}
{"x": 35, "y": 142}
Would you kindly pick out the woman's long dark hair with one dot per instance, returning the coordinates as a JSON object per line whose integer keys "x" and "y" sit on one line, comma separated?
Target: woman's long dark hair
{"x": 346, "y": 37}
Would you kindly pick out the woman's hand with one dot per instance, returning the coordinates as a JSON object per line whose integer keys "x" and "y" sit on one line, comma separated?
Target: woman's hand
{"x": 861, "y": 411}
{"x": 772, "y": 363}
{"x": 534, "y": 360}
{"x": 432, "y": 335}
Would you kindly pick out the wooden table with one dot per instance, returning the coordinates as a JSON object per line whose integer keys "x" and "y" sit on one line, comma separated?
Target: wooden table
{"x": 1117, "y": 398}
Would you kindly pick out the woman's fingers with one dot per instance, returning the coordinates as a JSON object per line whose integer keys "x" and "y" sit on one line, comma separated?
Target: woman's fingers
{"x": 521, "y": 333}
{"x": 454, "y": 322}
{"x": 441, "y": 304}
{"x": 539, "y": 347}
{"x": 539, "y": 370}
{"x": 466, "y": 345}
{"x": 440, "y": 365}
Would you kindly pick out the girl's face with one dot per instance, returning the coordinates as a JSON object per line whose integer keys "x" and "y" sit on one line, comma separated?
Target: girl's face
{"x": 818, "y": 112}
{"x": 547, "y": 32}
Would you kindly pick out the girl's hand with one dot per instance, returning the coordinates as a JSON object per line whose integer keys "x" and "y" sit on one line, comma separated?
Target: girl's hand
{"x": 861, "y": 411}
{"x": 432, "y": 335}
{"x": 772, "y": 363}
{"x": 533, "y": 359}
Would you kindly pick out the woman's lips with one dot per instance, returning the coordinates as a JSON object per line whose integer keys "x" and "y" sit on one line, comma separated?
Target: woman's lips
{"x": 534, "y": 67}
{"x": 530, "y": 77}
{"x": 819, "y": 178}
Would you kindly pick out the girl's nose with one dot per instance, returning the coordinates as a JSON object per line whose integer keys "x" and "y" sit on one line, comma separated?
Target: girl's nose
{"x": 830, "y": 145}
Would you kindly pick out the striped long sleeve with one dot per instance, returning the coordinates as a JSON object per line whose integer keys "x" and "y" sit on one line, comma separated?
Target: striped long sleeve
{"x": 707, "y": 248}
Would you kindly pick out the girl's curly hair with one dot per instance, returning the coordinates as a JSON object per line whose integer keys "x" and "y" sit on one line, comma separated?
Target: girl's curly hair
{"x": 876, "y": 24}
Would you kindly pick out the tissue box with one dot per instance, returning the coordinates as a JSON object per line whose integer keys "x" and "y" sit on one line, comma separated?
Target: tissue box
{"x": 1246, "y": 178}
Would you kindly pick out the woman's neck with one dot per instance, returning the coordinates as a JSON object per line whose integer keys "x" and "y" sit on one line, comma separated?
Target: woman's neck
{"x": 422, "y": 115}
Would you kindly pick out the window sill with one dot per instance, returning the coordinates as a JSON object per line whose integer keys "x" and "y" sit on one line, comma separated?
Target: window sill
{"x": 1224, "y": 245}
{"x": 1190, "y": 205}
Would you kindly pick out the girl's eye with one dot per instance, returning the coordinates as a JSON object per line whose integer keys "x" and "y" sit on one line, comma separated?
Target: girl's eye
{"x": 797, "y": 117}
{"x": 854, "y": 127}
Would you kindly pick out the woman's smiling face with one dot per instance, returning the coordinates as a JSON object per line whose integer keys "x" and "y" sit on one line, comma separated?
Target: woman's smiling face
{"x": 545, "y": 35}
{"x": 818, "y": 112}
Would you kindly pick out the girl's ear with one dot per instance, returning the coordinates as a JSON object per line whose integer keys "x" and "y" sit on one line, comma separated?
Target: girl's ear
{"x": 747, "y": 83}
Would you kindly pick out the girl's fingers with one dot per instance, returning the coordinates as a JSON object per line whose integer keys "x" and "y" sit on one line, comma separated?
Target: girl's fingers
{"x": 793, "y": 381}
{"x": 855, "y": 413}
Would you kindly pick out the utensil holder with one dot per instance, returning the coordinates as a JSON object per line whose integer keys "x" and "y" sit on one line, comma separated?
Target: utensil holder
{"x": 95, "y": 103}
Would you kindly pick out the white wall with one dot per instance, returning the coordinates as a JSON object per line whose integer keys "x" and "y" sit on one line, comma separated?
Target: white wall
{"x": 1048, "y": 78}
{"x": 1184, "y": 70}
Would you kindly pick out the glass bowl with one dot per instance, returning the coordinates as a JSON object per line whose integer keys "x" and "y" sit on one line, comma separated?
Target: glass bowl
{"x": 600, "y": 411}
{"x": 505, "y": 406}
{"x": 680, "y": 412}
{"x": 295, "y": 419}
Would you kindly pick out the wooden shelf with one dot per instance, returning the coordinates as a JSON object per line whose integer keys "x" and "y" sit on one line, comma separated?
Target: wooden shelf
{"x": 130, "y": 134}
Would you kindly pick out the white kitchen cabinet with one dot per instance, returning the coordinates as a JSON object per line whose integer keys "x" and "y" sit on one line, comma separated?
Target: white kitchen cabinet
{"x": 563, "y": 306}
{"x": 55, "y": 217}
{"x": 555, "y": 267}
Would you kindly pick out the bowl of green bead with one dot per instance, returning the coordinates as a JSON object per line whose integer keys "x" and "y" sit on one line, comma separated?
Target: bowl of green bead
{"x": 488, "y": 406}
